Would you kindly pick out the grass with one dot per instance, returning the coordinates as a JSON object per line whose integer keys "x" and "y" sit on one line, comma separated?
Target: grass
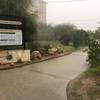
{"x": 93, "y": 92}
{"x": 87, "y": 87}
{"x": 94, "y": 70}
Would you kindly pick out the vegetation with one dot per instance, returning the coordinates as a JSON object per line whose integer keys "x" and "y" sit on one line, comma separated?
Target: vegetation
{"x": 80, "y": 38}
{"x": 94, "y": 52}
{"x": 43, "y": 45}
{"x": 45, "y": 33}
{"x": 65, "y": 34}
{"x": 87, "y": 87}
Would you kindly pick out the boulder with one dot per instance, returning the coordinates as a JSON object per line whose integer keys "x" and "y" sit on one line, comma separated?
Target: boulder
{"x": 52, "y": 51}
{"x": 36, "y": 54}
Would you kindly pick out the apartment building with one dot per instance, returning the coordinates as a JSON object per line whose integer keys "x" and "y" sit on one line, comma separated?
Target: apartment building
{"x": 40, "y": 11}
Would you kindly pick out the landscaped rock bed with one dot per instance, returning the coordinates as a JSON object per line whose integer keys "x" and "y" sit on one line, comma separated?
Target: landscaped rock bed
{"x": 36, "y": 60}
{"x": 39, "y": 55}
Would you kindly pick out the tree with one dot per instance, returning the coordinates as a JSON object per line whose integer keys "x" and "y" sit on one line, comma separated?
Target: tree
{"x": 80, "y": 37}
{"x": 97, "y": 33}
{"x": 20, "y": 8}
{"x": 64, "y": 33}
{"x": 45, "y": 32}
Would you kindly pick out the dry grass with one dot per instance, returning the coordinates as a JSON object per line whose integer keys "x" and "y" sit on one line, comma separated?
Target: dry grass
{"x": 86, "y": 88}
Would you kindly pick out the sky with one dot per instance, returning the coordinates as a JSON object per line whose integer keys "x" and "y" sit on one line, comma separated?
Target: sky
{"x": 85, "y": 14}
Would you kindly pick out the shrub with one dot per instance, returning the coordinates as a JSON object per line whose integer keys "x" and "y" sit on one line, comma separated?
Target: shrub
{"x": 95, "y": 71}
{"x": 94, "y": 52}
{"x": 33, "y": 46}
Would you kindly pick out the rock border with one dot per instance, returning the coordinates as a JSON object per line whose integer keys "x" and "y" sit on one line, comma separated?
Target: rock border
{"x": 9, "y": 66}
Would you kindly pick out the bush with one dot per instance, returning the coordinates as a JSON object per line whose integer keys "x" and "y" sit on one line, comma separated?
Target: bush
{"x": 40, "y": 46}
{"x": 95, "y": 71}
{"x": 94, "y": 52}
{"x": 33, "y": 46}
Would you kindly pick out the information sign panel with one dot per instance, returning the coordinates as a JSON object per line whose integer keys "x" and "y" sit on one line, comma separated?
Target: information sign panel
{"x": 10, "y": 37}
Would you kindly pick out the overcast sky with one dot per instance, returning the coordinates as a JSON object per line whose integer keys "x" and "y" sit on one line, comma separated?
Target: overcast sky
{"x": 84, "y": 14}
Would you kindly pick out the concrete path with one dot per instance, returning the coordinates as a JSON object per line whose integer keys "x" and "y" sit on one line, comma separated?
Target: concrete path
{"x": 42, "y": 81}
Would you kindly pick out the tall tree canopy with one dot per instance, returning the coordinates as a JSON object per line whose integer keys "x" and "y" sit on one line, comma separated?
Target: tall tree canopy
{"x": 20, "y": 8}
{"x": 64, "y": 32}
{"x": 80, "y": 37}
{"x": 45, "y": 32}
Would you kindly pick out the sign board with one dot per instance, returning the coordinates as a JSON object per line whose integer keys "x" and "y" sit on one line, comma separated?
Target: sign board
{"x": 10, "y": 37}
{"x": 11, "y": 31}
{"x": 10, "y": 22}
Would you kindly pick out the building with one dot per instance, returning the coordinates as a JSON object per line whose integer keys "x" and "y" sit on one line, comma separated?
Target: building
{"x": 40, "y": 10}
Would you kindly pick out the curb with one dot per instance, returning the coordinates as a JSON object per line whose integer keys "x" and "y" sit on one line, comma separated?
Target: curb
{"x": 70, "y": 86}
{"x": 52, "y": 57}
{"x": 68, "y": 90}
{"x": 30, "y": 63}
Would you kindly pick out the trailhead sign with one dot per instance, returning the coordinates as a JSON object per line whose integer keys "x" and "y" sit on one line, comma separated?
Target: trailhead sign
{"x": 10, "y": 37}
{"x": 11, "y": 31}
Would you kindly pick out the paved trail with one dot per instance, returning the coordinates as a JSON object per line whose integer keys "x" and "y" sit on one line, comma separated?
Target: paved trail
{"x": 42, "y": 81}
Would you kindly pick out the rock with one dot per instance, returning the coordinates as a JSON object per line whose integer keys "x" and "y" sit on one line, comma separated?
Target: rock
{"x": 60, "y": 51}
{"x": 12, "y": 64}
{"x": 52, "y": 51}
{"x": 36, "y": 54}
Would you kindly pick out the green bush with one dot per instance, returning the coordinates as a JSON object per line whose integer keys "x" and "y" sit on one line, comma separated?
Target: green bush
{"x": 33, "y": 46}
{"x": 95, "y": 71}
{"x": 94, "y": 51}
{"x": 41, "y": 46}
